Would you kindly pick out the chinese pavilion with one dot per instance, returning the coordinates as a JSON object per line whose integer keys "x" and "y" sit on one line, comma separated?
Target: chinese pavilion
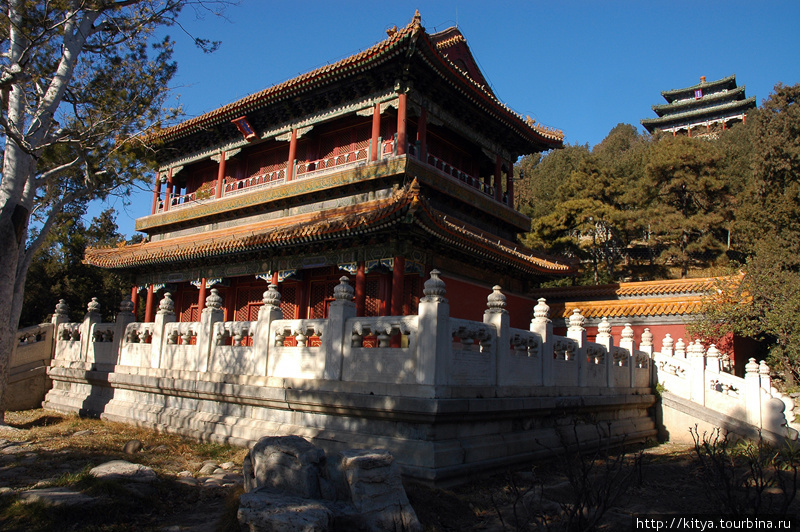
{"x": 381, "y": 166}
{"x": 701, "y": 110}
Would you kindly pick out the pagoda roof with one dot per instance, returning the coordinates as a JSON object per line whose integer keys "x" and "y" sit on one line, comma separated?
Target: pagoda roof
{"x": 435, "y": 50}
{"x": 405, "y": 206}
{"x": 711, "y": 86}
{"x": 707, "y": 101}
{"x": 699, "y": 115}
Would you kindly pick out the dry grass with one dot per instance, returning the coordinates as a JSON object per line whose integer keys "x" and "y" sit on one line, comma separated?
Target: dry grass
{"x": 58, "y": 450}
{"x": 52, "y": 449}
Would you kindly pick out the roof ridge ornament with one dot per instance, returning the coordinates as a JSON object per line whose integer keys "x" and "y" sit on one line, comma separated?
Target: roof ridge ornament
{"x": 417, "y": 20}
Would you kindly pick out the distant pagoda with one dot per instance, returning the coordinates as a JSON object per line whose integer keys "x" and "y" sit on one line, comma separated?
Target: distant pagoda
{"x": 702, "y": 110}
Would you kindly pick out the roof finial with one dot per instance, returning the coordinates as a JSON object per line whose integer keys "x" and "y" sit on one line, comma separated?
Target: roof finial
{"x": 702, "y": 79}
{"x": 391, "y": 31}
{"x": 417, "y": 20}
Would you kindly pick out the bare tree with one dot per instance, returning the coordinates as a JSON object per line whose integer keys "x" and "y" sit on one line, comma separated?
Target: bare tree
{"x": 81, "y": 83}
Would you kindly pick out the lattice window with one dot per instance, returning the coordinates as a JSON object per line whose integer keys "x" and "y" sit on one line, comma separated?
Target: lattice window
{"x": 321, "y": 293}
{"x": 248, "y": 301}
{"x": 411, "y": 291}
{"x": 328, "y": 146}
{"x": 372, "y": 301}
{"x": 289, "y": 300}
{"x": 188, "y": 310}
{"x": 266, "y": 162}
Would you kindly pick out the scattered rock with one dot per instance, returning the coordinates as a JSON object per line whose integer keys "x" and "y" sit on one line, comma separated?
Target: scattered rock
{"x": 122, "y": 470}
{"x": 184, "y": 474}
{"x": 6, "y": 491}
{"x": 187, "y": 481}
{"x": 132, "y": 447}
{"x": 161, "y": 449}
{"x": 82, "y": 433}
{"x": 56, "y": 497}
{"x": 208, "y": 469}
{"x": 227, "y": 466}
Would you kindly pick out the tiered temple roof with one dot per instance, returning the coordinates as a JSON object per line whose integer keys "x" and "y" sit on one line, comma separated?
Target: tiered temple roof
{"x": 702, "y": 105}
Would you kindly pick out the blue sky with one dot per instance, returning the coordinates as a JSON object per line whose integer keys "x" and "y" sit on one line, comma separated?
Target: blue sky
{"x": 579, "y": 66}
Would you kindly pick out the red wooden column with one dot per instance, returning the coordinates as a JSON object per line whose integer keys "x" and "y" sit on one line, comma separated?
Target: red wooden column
{"x": 201, "y": 298}
{"x": 135, "y": 299}
{"x": 274, "y": 278}
{"x": 168, "y": 196}
{"x": 292, "y": 155}
{"x": 398, "y": 278}
{"x": 156, "y": 192}
{"x": 398, "y": 291}
{"x": 376, "y": 132}
{"x": 422, "y": 135}
{"x": 498, "y": 179}
{"x": 149, "y": 315}
{"x": 402, "y": 136}
{"x": 510, "y": 184}
{"x": 361, "y": 289}
{"x": 221, "y": 174}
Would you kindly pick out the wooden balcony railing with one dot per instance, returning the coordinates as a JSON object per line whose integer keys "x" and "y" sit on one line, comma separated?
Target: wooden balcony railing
{"x": 309, "y": 169}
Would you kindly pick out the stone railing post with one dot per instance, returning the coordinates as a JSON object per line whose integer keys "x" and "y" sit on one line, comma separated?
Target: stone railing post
{"x": 165, "y": 314}
{"x": 341, "y": 309}
{"x": 124, "y": 318}
{"x": 713, "y": 359}
{"x": 694, "y": 353}
{"x": 627, "y": 343}
{"x": 764, "y": 378}
{"x": 605, "y": 339}
{"x": 680, "y": 348}
{"x": 646, "y": 347}
{"x": 577, "y": 332}
{"x": 434, "y": 342}
{"x": 61, "y": 315}
{"x": 212, "y": 313}
{"x": 543, "y": 326}
{"x": 497, "y": 315}
{"x": 667, "y": 345}
{"x": 269, "y": 312}
{"x": 91, "y": 317}
{"x": 752, "y": 392}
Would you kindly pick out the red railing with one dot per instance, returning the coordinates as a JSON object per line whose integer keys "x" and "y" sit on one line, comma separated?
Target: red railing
{"x": 307, "y": 169}
{"x": 304, "y": 169}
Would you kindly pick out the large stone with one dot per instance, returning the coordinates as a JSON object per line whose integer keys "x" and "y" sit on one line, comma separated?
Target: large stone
{"x": 268, "y": 511}
{"x": 56, "y": 497}
{"x": 289, "y": 464}
{"x": 291, "y": 486}
{"x": 377, "y": 492}
{"x": 122, "y": 470}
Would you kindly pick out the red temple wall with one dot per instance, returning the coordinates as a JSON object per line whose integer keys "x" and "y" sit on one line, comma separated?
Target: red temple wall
{"x": 468, "y": 302}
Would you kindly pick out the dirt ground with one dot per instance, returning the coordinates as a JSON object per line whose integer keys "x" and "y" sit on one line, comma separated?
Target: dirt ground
{"x": 579, "y": 491}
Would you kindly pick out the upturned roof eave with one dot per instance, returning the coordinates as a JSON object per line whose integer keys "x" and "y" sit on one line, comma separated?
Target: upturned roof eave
{"x": 403, "y": 41}
{"x": 717, "y": 97}
{"x": 674, "y": 93}
{"x": 330, "y": 225}
{"x": 679, "y": 118}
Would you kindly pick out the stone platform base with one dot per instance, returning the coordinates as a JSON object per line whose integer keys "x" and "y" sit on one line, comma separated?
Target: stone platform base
{"x": 442, "y": 435}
